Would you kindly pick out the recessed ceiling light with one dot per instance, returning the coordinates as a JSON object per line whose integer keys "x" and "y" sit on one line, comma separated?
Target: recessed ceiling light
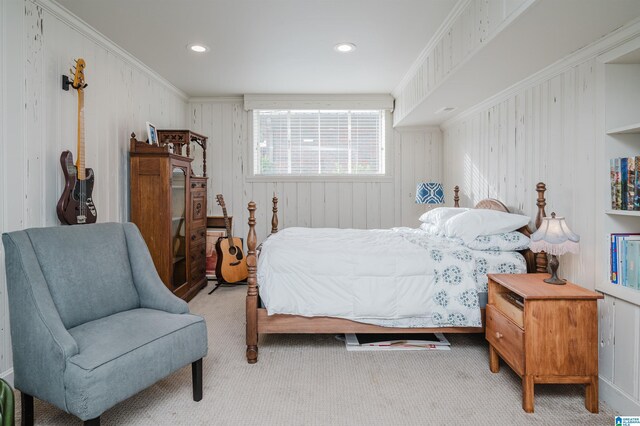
{"x": 344, "y": 47}
{"x": 198, "y": 48}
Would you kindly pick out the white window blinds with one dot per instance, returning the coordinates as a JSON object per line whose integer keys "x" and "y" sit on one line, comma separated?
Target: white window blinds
{"x": 318, "y": 142}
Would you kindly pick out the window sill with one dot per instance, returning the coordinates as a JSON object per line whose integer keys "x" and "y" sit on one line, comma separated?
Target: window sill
{"x": 342, "y": 179}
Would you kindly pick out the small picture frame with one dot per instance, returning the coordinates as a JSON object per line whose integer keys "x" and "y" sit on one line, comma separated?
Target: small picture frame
{"x": 152, "y": 134}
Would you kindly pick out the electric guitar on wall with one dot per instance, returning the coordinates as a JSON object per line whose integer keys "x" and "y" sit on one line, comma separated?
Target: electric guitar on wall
{"x": 76, "y": 203}
{"x": 231, "y": 266}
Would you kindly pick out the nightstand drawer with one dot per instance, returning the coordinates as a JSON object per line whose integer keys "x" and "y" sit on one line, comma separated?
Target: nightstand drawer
{"x": 506, "y": 337}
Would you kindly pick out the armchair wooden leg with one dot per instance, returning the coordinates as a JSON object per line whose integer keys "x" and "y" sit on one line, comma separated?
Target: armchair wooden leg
{"x": 92, "y": 422}
{"x": 26, "y": 403}
{"x": 196, "y": 376}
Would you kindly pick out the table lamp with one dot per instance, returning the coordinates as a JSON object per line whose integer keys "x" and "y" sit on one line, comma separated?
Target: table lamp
{"x": 555, "y": 238}
{"x": 429, "y": 193}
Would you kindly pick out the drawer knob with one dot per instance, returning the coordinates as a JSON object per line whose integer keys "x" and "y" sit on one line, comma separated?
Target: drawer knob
{"x": 499, "y": 335}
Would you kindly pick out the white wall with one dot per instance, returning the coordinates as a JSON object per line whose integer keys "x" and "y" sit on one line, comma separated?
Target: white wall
{"x": 414, "y": 155}
{"x": 546, "y": 129}
{"x": 38, "y": 120}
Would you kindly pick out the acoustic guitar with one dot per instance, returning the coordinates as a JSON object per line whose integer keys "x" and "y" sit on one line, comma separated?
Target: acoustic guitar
{"x": 231, "y": 266}
{"x": 76, "y": 203}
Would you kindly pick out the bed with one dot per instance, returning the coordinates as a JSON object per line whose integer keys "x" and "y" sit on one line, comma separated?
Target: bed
{"x": 317, "y": 295}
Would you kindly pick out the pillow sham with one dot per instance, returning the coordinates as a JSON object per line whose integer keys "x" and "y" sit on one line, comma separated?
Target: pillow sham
{"x": 472, "y": 223}
{"x": 440, "y": 215}
{"x": 507, "y": 241}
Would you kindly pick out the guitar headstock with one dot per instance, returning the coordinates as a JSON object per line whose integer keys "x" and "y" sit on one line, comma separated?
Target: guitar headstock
{"x": 78, "y": 74}
{"x": 220, "y": 200}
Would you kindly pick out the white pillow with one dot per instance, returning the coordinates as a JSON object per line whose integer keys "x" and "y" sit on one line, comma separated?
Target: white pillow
{"x": 440, "y": 215}
{"x": 430, "y": 228}
{"x": 468, "y": 225}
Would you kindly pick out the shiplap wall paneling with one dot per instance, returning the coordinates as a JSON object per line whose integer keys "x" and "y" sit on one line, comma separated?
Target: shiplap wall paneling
{"x": 39, "y": 120}
{"x": 413, "y": 155}
{"x": 548, "y": 132}
{"x": 543, "y": 133}
{"x": 420, "y": 160}
{"x": 471, "y": 25}
{"x": 6, "y": 28}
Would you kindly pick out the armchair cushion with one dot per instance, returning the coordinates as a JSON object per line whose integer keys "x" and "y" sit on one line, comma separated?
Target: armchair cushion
{"x": 87, "y": 270}
{"x": 124, "y": 353}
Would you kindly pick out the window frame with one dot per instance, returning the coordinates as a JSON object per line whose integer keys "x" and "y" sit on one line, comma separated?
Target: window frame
{"x": 250, "y": 176}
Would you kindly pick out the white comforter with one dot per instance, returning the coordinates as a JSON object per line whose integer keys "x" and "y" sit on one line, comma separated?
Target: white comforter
{"x": 376, "y": 276}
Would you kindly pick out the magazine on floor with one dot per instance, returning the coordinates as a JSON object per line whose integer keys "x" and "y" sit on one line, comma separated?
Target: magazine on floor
{"x": 396, "y": 342}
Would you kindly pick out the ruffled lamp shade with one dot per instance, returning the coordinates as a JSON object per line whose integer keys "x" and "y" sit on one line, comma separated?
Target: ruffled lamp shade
{"x": 555, "y": 238}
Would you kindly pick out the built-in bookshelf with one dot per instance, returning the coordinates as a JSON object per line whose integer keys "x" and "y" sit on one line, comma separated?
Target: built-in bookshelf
{"x": 619, "y": 72}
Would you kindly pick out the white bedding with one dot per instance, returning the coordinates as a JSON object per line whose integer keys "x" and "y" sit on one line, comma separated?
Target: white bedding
{"x": 400, "y": 277}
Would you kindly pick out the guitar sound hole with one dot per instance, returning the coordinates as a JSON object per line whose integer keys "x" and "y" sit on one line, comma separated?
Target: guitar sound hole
{"x": 232, "y": 251}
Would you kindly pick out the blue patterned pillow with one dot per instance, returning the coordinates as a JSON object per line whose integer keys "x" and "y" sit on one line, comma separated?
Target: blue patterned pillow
{"x": 508, "y": 241}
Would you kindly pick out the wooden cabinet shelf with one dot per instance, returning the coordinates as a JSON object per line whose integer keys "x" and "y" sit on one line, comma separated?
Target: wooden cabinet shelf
{"x": 168, "y": 204}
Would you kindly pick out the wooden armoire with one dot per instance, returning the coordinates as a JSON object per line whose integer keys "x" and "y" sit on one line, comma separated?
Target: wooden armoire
{"x": 169, "y": 206}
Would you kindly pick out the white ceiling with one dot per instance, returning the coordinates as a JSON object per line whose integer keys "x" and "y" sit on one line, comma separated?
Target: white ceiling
{"x": 270, "y": 46}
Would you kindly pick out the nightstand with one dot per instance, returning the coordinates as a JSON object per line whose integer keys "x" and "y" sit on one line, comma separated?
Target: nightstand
{"x": 546, "y": 333}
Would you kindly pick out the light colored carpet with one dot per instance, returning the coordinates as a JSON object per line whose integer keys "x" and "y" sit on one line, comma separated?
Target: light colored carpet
{"x": 313, "y": 380}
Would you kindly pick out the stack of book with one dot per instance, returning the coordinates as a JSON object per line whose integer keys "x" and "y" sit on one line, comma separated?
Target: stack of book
{"x": 625, "y": 183}
{"x": 396, "y": 342}
{"x": 625, "y": 260}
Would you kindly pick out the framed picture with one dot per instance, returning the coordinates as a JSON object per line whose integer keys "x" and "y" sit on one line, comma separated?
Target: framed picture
{"x": 152, "y": 134}
{"x": 213, "y": 235}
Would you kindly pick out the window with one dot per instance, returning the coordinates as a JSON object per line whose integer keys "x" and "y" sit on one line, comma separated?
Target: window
{"x": 318, "y": 142}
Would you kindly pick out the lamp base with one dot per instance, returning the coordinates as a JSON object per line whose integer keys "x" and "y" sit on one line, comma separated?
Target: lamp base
{"x": 556, "y": 281}
{"x": 553, "y": 266}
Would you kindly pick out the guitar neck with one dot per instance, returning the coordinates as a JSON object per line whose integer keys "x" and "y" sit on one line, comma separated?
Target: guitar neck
{"x": 80, "y": 162}
{"x": 227, "y": 225}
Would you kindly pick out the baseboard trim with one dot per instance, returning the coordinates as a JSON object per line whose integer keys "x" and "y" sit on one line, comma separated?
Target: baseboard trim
{"x": 615, "y": 398}
{"x": 7, "y": 376}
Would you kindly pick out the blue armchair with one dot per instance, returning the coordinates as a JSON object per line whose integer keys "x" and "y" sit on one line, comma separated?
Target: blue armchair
{"x": 91, "y": 322}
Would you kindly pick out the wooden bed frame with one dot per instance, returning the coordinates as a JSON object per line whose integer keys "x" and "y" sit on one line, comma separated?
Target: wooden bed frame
{"x": 258, "y": 322}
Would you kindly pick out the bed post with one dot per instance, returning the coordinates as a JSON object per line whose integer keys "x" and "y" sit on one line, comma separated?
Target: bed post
{"x": 252, "y": 289}
{"x": 456, "y": 197}
{"x": 541, "y": 258}
{"x": 274, "y": 218}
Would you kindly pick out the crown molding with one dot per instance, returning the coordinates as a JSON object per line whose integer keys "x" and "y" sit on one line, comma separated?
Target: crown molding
{"x": 66, "y": 16}
{"x": 457, "y": 10}
{"x": 610, "y": 41}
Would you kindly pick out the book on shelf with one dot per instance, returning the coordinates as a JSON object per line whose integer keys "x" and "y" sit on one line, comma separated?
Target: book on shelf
{"x": 624, "y": 175}
{"x": 625, "y": 260}
{"x": 616, "y": 183}
{"x": 636, "y": 198}
{"x": 612, "y": 179}
{"x": 624, "y": 171}
{"x": 631, "y": 182}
